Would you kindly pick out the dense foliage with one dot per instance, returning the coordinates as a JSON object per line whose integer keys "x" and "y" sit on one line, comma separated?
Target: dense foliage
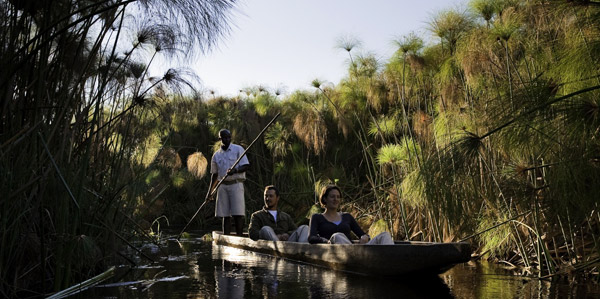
{"x": 493, "y": 125}
{"x": 490, "y": 132}
{"x": 81, "y": 124}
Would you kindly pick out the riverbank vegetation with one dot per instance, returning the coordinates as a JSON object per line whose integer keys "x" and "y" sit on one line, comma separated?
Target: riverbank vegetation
{"x": 492, "y": 124}
{"x": 82, "y": 128}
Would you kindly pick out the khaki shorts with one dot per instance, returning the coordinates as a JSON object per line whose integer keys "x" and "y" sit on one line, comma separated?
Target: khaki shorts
{"x": 230, "y": 200}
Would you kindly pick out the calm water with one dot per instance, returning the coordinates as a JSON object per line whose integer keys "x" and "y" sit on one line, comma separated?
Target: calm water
{"x": 193, "y": 268}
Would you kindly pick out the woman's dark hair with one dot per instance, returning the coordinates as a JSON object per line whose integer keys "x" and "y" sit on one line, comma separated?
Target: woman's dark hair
{"x": 325, "y": 191}
{"x": 272, "y": 187}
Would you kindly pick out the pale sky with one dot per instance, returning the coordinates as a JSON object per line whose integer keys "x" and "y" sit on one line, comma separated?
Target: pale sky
{"x": 289, "y": 43}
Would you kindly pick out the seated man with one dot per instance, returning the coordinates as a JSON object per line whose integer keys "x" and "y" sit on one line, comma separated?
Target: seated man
{"x": 272, "y": 224}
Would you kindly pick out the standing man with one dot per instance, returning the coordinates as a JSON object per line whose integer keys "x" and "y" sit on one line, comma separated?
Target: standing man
{"x": 272, "y": 224}
{"x": 230, "y": 195}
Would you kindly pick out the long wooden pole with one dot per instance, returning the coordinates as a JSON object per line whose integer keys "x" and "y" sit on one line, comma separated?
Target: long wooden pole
{"x": 209, "y": 195}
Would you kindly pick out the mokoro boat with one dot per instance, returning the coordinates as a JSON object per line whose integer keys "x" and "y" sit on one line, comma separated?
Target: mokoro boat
{"x": 402, "y": 258}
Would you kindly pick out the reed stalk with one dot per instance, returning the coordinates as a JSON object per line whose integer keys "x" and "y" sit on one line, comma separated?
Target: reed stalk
{"x": 80, "y": 287}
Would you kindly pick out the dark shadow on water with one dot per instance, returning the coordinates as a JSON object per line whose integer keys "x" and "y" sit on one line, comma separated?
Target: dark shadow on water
{"x": 250, "y": 275}
{"x": 196, "y": 269}
{"x": 193, "y": 268}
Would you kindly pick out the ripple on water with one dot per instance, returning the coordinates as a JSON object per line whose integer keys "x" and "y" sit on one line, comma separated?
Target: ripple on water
{"x": 193, "y": 268}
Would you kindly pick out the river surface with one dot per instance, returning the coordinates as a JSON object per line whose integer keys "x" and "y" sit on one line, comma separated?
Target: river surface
{"x": 194, "y": 268}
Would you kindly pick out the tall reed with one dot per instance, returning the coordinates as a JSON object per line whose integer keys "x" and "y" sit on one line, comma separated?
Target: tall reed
{"x": 73, "y": 116}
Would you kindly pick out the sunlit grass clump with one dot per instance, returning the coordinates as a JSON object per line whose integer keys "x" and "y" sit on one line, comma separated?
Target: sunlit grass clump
{"x": 402, "y": 154}
{"x": 197, "y": 165}
{"x": 413, "y": 189}
{"x": 385, "y": 127}
{"x": 497, "y": 242}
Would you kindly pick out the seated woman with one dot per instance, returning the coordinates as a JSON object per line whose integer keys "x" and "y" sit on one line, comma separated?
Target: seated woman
{"x": 334, "y": 227}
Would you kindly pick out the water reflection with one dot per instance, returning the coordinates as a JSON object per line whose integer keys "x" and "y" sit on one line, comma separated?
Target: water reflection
{"x": 261, "y": 276}
{"x": 488, "y": 280}
{"x": 230, "y": 280}
{"x": 193, "y": 268}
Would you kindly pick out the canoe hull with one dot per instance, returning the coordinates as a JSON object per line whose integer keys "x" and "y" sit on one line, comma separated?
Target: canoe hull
{"x": 389, "y": 260}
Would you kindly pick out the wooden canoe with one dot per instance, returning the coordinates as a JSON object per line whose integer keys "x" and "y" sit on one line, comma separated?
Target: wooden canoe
{"x": 402, "y": 258}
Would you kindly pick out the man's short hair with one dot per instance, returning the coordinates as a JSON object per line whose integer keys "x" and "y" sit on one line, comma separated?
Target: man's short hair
{"x": 272, "y": 187}
{"x": 224, "y": 131}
